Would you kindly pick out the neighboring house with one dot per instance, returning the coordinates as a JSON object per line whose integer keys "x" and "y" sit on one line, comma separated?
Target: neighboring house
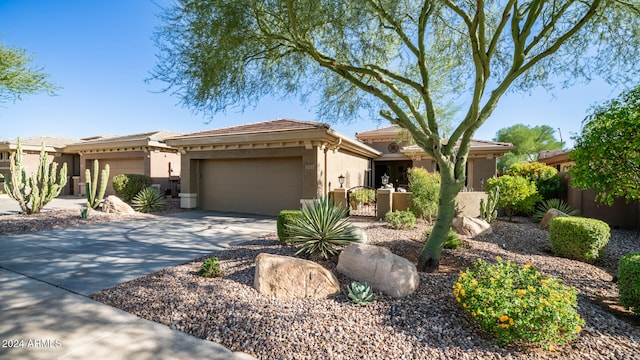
{"x": 559, "y": 159}
{"x": 143, "y": 154}
{"x": 398, "y": 155}
{"x": 265, "y": 167}
{"x": 31, "y": 148}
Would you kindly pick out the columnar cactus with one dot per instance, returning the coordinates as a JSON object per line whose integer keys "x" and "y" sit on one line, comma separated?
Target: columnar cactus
{"x": 489, "y": 211}
{"x": 92, "y": 186}
{"x": 35, "y": 191}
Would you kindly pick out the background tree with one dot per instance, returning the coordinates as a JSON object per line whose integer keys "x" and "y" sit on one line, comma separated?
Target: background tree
{"x": 528, "y": 142}
{"x": 607, "y": 153}
{"x": 401, "y": 60}
{"x": 18, "y": 78}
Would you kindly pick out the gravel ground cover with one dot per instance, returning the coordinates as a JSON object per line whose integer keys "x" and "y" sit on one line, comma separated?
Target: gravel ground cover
{"x": 425, "y": 325}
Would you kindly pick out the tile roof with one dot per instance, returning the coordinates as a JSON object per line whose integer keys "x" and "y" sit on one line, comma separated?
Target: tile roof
{"x": 37, "y": 141}
{"x": 160, "y": 135}
{"x": 277, "y": 125}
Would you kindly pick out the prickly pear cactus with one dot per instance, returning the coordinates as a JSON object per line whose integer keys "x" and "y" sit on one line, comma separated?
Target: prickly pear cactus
{"x": 360, "y": 293}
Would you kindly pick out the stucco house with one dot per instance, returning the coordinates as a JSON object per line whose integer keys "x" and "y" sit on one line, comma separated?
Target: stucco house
{"x": 143, "y": 154}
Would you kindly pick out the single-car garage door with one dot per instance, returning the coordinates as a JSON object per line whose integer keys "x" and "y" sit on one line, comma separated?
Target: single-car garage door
{"x": 253, "y": 186}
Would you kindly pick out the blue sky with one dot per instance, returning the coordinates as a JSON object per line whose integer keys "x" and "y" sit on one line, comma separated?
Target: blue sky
{"x": 100, "y": 53}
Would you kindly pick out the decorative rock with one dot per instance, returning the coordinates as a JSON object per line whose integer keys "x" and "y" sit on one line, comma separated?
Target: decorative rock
{"x": 380, "y": 268}
{"x": 286, "y": 277}
{"x": 471, "y": 227}
{"x": 360, "y": 234}
{"x": 113, "y": 204}
{"x": 550, "y": 215}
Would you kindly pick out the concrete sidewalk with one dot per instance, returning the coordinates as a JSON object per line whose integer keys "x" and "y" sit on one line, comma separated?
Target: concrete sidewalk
{"x": 45, "y": 277}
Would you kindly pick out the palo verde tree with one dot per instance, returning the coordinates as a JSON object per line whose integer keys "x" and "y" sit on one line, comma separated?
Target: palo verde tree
{"x": 403, "y": 60}
{"x": 528, "y": 142}
{"x": 17, "y": 78}
{"x": 607, "y": 153}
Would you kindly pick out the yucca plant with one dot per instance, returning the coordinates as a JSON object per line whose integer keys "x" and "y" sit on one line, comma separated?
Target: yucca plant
{"x": 321, "y": 228}
{"x": 360, "y": 293}
{"x": 543, "y": 207}
{"x": 148, "y": 200}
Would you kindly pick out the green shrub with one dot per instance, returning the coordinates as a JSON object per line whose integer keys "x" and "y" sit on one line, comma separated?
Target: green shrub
{"x": 629, "y": 281}
{"x": 321, "y": 229}
{"x": 544, "y": 176}
{"x": 543, "y": 207}
{"x": 286, "y": 217}
{"x": 360, "y": 293}
{"x": 578, "y": 238}
{"x": 452, "y": 242}
{"x": 127, "y": 186}
{"x": 400, "y": 219}
{"x": 362, "y": 196}
{"x": 210, "y": 268}
{"x": 517, "y": 194}
{"x": 148, "y": 200}
{"x": 425, "y": 192}
{"x": 517, "y": 305}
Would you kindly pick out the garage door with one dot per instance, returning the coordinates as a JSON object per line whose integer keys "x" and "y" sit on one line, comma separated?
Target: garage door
{"x": 252, "y": 186}
{"x": 120, "y": 166}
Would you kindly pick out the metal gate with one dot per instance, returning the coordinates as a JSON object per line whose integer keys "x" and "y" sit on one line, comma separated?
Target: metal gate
{"x": 362, "y": 201}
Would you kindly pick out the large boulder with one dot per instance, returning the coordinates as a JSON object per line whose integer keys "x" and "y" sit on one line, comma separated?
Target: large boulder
{"x": 286, "y": 277}
{"x": 380, "y": 268}
{"x": 113, "y": 204}
{"x": 470, "y": 227}
{"x": 550, "y": 215}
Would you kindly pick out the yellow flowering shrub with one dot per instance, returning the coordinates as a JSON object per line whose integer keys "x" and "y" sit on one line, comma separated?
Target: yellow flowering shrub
{"x": 518, "y": 305}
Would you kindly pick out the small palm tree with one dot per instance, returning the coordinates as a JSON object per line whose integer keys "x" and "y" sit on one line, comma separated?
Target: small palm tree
{"x": 322, "y": 227}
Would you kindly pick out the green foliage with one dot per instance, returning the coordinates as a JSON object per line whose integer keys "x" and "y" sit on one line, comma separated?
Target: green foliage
{"x": 360, "y": 293}
{"x": 84, "y": 213}
{"x": 606, "y": 154}
{"x": 425, "y": 191}
{"x": 452, "y": 242}
{"x": 544, "y": 176}
{"x": 286, "y": 217}
{"x": 528, "y": 142}
{"x": 489, "y": 210}
{"x": 35, "y": 191}
{"x": 400, "y": 219}
{"x": 517, "y": 305}
{"x": 362, "y": 196}
{"x": 578, "y": 238}
{"x": 543, "y": 207}
{"x": 629, "y": 281}
{"x": 17, "y": 78}
{"x": 517, "y": 194}
{"x": 94, "y": 197}
{"x": 127, "y": 186}
{"x": 210, "y": 268}
{"x": 321, "y": 229}
{"x": 148, "y": 200}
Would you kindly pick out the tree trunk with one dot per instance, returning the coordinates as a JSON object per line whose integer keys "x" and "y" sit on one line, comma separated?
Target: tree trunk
{"x": 429, "y": 259}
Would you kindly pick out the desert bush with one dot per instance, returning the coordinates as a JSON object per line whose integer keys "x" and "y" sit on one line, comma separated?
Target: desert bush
{"x": 578, "y": 238}
{"x": 543, "y": 207}
{"x": 629, "y": 281}
{"x": 286, "y": 217}
{"x": 210, "y": 268}
{"x": 322, "y": 228}
{"x": 400, "y": 219}
{"x": 127, "y": 186}
{"x": 452, "y": 242}
{"x": 425, "y": 191}
{"x": 148, "y": 200}
{"x": 517, "y": 305}
{"x": 363, "y": 196}
{"x": 544, "y": 176}
{"x": 517, "y": 194}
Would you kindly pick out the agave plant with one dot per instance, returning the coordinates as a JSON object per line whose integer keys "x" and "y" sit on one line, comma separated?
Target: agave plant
{"x": 360, "y": 293}
{"x": 148, "y": 200}
{"x": 557, "y": 204}
{"x": 321, "y": 228}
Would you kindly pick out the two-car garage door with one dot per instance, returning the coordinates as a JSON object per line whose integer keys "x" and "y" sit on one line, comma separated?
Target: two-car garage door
{"x": 254, "y": 186}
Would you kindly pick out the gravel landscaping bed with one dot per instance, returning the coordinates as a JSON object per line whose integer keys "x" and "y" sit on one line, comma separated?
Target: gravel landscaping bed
{"x": 425, "y": 325}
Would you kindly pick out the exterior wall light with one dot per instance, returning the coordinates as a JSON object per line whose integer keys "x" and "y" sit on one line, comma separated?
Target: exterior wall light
{"x": 341, "y": 180}
{"x": 385, "y": 179}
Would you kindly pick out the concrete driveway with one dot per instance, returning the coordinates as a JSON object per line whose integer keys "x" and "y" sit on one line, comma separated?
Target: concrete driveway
{"x": 45, "y": 277}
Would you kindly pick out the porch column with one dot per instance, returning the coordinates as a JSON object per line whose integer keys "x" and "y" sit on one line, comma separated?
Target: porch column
{"x": 384, "y": 202}
{"x": 340, "y": 197}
